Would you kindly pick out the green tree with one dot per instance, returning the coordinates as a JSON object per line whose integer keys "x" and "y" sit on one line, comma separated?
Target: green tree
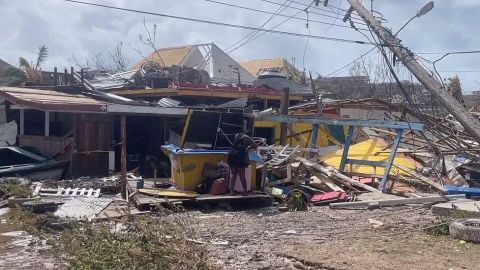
{"x": 30, "y": 71}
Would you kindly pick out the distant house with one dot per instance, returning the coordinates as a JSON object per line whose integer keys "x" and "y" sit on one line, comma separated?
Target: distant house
{"x": 280, "y": 65}
{"x": 5, "y": 78}
{"x": 220, "y": 66}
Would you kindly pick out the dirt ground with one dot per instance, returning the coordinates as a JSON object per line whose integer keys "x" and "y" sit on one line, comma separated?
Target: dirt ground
{"x": 320, "y": 238}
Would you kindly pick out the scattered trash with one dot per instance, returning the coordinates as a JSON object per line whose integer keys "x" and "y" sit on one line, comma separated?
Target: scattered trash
{"x": 375, "y": 223}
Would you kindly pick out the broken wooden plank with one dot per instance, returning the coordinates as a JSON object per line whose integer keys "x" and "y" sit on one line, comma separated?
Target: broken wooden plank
{"x": 321, "y": 182}
{"x": 395, "y": 202}
{"x": 331, "y": 172}
{"x": 421, "y": 178}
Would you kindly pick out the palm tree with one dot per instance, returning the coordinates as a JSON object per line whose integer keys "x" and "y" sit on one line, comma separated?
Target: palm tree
{"x": 30, "y": 71}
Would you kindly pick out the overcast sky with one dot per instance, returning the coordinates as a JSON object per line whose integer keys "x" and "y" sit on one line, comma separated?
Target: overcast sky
{"x": 71, "y": 29}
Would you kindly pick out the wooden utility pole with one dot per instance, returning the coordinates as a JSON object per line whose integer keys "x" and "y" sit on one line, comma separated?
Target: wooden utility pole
{"x": 284, "y": 103}
{"x": 123, "y": 157}
{"x": 319, "y": 110}
{"x": 467, "y": 120}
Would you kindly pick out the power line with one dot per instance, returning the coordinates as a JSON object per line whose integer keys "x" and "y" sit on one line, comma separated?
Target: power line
{"x": 448, "y": 53}
{"x": 230, "y": 25}
{"x": 251, "y": 35}
{"x": 326, "y": 10}
{"x": 279, "y": 15}
{"x": 313, "y": 12}
{"x": 460, "y": 71}
{"x": 274, "y": 27}
{"x": 350, "y": 63}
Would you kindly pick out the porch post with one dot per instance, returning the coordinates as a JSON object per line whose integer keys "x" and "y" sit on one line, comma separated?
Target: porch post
{"x": 123, "y": 175}
{"x": 22, "y": 121}
{"x": 47, "y": 123}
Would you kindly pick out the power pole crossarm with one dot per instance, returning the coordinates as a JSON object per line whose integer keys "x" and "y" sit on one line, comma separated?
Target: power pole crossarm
{"x": 467, "y": 120}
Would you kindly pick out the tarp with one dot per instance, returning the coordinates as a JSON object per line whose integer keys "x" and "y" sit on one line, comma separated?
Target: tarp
{"x": 372, "y": 150}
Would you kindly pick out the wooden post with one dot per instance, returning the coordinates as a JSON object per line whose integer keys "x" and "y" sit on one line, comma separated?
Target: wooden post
{"x": 74, "y": 161}
{"x": 468, "y": 121}
{"x": 65, "y": 76}
{"x": 314, "y": 137}
{"x": 55, "y": 76}
{"x": 82, "y": 79}
{"x": 72, "y": 77}
{"x": 123, "y": 175}
{"x": 22, "y": 121}
{"x": 47, "y": 123}
{"x": 284, "y": 104}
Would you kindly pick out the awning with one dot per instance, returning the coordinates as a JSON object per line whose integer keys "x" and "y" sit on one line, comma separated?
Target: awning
{"x": 49, "y": 100}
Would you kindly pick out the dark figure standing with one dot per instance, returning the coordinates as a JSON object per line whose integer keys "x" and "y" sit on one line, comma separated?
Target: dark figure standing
{"x": 238, "y": 160}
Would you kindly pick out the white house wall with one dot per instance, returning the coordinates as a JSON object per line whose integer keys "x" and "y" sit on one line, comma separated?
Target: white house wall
{"x": 194, "y": 58}
{"x": 224, "y": 68}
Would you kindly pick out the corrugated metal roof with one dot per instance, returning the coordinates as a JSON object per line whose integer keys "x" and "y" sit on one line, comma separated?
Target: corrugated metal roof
{"x": 168, "y": 102}
{"x": 236, "y": 103}
{"x": 49, "y": 100}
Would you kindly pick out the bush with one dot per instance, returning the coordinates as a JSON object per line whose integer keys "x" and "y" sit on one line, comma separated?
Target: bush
{"x": 146, "y": 243}
{"x": 138, "y": 243}
{"x": 9, "y": 188}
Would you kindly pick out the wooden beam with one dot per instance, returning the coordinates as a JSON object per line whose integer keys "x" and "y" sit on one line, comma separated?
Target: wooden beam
{"x": 422, "y": 178}
{"x": 171, "y": 92}
{"x": 330, "y": 172}
{"x": 395, "y": 202}
{"x": 123, "y": 174}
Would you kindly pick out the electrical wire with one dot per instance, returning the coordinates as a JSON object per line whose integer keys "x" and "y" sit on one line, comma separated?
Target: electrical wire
{"x": 278, "y": 15}
{"x": 329, "y": 6}
{"x": 251, "y": 36}
{"x": 230, "y": 25}
{"x": 313, "y": 12}
{"x": 350, "y": 63}
{"x": 448, "y": 53}
{"x": 280, "y": 9}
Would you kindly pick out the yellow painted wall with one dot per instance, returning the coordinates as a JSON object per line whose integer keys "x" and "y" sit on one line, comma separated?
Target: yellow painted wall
{"x": 322, "y": 140}
{"x": 187, "y": 169}
{"x": 372, "y": 150}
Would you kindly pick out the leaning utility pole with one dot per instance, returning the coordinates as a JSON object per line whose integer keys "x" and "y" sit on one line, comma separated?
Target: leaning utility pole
{"x": 468, "y": 121}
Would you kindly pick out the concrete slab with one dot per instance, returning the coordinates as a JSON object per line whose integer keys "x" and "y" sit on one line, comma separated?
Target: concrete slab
{"x": 468, "y": 208}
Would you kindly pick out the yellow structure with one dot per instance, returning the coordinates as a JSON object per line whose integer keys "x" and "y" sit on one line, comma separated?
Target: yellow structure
{"x": 187, "y": 166}
{"x": 303, "y": 132}
{"x": 372, "y": 150}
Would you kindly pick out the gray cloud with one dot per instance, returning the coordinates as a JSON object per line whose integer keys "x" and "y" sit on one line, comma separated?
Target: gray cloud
{"x": 69, "y": 29}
